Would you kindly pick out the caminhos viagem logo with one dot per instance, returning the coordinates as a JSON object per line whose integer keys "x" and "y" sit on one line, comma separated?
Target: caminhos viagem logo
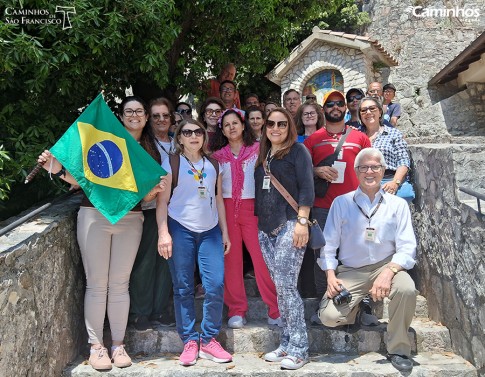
{"x": 466, "y": 14}
{"x": 23, "y": 16}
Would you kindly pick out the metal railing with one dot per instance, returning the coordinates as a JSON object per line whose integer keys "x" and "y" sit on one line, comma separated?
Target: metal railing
{"x": 476, "y": 194}
{"x": 36, "y": 211}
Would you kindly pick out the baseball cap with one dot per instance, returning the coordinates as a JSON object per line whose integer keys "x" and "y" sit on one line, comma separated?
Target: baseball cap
{"x": 328, "y": 94}
{"x": 351, "y": 90}
{"x": 388, "y": 86}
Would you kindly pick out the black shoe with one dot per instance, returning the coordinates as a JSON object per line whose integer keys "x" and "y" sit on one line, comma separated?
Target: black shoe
{"x": 165, "y": 320}
{"x": 142, "y": 323}
{"x": 401, "y": 363}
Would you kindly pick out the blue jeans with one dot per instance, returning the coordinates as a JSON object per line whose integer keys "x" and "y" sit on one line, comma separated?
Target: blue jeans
{"x": 208, "y": 249}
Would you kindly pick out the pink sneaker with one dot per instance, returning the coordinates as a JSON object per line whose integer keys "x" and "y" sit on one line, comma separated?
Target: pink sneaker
{"x": 214, "y": 351}
{"x": 190, "y": 353}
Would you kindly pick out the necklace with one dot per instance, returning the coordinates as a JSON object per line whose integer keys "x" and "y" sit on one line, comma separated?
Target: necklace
{"x": 335, "y": 135}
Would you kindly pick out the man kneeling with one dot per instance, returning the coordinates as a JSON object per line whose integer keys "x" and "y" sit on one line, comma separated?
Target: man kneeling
{"x": 372, "y": 230}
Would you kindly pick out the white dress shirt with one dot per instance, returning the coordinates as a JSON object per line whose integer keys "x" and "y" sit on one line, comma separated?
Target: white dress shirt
{"x": 345, "y": 229}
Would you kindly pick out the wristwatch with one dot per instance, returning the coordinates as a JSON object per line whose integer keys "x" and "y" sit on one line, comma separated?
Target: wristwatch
{"x": 397, "y": 181}
{"x": 302, "y": 220}
{"x": 393, "y": 269}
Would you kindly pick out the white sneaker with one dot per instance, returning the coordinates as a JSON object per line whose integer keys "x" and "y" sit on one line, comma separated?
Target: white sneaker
{"x": 276, "y": 355}
{"x": 236, "y": 322}
{"x": 275, "y": 322}
{"x": 292, "y": 362}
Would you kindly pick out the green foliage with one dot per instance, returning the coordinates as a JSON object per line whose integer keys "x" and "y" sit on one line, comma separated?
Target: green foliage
{"x": 47, "y": 74}
{"x": 5, "y": 181}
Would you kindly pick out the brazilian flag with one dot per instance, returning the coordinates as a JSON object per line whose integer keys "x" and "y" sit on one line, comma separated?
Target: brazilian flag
{"x": 114, "y": 171}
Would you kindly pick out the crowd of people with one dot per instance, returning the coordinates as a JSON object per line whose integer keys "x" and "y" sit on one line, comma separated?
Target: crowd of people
{"x": 255, "y": 179}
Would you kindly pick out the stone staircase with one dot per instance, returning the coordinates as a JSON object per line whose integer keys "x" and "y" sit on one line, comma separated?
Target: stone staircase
{"x": 350, "y": 351}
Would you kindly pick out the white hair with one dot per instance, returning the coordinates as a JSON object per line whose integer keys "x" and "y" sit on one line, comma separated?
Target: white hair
{"x": 372, "y": 153}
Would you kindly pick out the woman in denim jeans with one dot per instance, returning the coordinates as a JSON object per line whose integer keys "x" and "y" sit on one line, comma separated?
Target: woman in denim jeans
{"x": 283, "y": 233}
{"x": 192, "y": 226}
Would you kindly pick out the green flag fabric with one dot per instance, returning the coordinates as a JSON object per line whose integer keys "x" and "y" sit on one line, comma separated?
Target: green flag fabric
{"x": 113, "y": 170}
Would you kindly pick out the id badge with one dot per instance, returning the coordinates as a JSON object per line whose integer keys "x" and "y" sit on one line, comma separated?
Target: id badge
{"x": 341, "y": 154}
{"x": 202, "y": 192}
{"x": 370, "y": 234}
{"x": 266, "y": 182}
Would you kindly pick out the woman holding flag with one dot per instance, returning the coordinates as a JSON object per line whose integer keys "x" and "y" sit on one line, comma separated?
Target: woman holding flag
{"x": 108, "y": 251}
{"x": 192, "y": 226}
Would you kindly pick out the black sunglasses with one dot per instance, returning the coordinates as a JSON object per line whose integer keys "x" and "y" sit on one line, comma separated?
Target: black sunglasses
{"x": 331, "y": 104}
{"x": 357, "y": 97}
{"x": 188, "y": 133}
{"x": 281, "y": 124}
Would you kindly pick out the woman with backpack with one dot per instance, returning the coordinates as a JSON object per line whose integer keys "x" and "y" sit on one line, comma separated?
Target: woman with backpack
{"x": 192, "y": 226}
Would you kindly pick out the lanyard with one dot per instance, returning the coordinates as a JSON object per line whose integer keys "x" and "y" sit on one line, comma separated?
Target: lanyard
{"x": 161, "y": 146}
{"x": 201, "y": 172}
{"x": 373, "y": 213}
{"x": 267, "y": 171}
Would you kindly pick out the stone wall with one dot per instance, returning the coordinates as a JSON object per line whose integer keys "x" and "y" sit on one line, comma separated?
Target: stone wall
{"x": 352, "y": 64}
{"x": 451, "y": 237}
{"x": 41, "y": 295}
{"x": 424, "y": 46}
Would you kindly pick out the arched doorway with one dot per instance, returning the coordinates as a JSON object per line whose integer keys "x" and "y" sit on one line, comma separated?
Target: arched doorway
{"x": 322, "y": 82}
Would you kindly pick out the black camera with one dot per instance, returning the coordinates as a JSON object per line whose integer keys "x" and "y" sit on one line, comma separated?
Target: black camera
{"x": 344, "y": 297}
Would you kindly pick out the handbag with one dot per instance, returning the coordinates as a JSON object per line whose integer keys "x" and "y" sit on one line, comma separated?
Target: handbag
{"x": 321, "y": 185}
{"x": 315, "y": 239}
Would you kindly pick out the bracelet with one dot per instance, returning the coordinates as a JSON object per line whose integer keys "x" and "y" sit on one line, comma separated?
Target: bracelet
{"x": 61, "y": 172}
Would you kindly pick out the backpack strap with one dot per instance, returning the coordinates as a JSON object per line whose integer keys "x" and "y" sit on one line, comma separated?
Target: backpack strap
{"x": 174, "y": 160}
{"x": 216, "y": 166}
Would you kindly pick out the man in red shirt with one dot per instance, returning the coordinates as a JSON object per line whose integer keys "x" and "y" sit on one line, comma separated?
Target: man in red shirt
{"x": 322, "y": 144}
{"x": 228, "y": 72}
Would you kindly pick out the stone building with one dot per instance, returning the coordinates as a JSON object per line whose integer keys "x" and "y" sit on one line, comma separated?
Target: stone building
{"x": 330, "y": 60}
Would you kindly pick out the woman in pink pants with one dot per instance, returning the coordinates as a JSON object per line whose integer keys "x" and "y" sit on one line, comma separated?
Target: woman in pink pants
{"x": 236, "y": 150}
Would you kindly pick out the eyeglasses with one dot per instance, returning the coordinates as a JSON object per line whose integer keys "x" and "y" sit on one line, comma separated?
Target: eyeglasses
{"x": 188, "y": 133}
{"x": 131, "y": 112}
{"x": 331, "y": 104}
{"x": 227, "y": 89}
{"x": 388, "y": 91}
{"x": 372, "y": 109}
{"x": 281, "y": 124}
{"x": 364, "y": 168}
{"x": 184, "y": 111}
{"x": 157, "y": 117}
{"x": 357, "y": 97}
{"x": 310, "y": 114}
{"x": 311, "y": 98}
{"x": 210, "y": 112}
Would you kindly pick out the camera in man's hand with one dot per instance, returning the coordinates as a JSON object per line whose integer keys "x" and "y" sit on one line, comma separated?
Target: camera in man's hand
{"x": 344, "y": 297}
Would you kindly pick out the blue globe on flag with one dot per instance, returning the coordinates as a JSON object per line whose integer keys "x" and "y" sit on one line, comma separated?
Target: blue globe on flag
{"x": 104, "y": 159}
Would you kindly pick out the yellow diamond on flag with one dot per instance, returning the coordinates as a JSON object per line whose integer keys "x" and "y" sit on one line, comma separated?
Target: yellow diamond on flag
{"x": 105, "y": 158}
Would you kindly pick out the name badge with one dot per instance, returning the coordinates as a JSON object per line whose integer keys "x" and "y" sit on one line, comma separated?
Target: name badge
{"x": 266, "y": 182}
{"x": 370, "y": 234}
{"x": 202, "y": 192}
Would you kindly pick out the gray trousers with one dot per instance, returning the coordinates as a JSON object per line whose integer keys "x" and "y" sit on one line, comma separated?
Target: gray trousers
{"x": 284, "y": 263}
{"x": 401, "y": 308}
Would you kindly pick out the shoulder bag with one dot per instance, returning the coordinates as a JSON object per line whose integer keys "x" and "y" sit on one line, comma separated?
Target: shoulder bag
{"x": 316, "y": 239}
{"x": 321, "y": 185}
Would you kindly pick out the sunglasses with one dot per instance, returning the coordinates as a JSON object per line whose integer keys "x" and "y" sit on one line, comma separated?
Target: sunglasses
{"x": 357, "y": 97}
{"x": 369, "y": 108}
{"x": 158, "y": 117}
{"x": 188, "y": 133}
{"x": 184, "y": 111}
{"x": 331, "y": 104}
{"x": 210, "y": 112}
{"x": 281, "y": 124}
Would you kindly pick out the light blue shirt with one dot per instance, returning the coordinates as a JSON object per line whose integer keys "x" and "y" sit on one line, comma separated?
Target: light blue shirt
{"x": 345, "y": 228}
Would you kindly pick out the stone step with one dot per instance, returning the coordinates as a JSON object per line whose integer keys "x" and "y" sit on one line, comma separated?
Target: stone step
{"x": 251, "y": 364}
{"x": 257, "y": 336}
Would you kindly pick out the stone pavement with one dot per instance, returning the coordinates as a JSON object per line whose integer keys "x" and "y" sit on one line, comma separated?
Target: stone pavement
{"x": 251, "y": 364}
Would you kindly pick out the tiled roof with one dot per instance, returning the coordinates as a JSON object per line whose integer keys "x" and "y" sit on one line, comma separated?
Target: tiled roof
{"x": 354, "y": 37}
